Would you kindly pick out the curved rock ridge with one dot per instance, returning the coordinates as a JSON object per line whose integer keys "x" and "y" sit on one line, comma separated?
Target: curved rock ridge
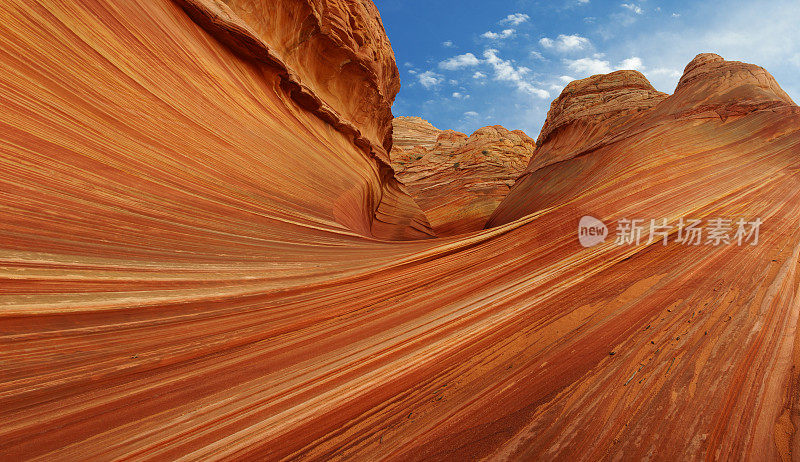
{"x": 588, "y": 110}
{"x": 176, "y": 281}
{"x": 458, "y": 180}
{"x": 334, "y": 59}
{"x": 605, "y": 109}
{"x": 727, "y": 88}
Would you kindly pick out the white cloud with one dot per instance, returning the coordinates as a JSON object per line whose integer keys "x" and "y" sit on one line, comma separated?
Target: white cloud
{"x": 633, "y": 62}
{"x": 530, "y": 89}
{"x": 566, "y": 43}
{"x": 460, "y": 61}
{"x": 505, "y": 71}
{"x": 676, "y": 15}
{"x": 583, "y": 2}
{"x": 478, "y": 75}
{"x": 471, "y": 114}
{"x": 536, "y": 55}
{"x": 588, "y": 66}
{"x": 429, "y": 79}
{"x": 459, "y": 95}
{"x": 566, "y": 78}
{"x": 634, "y": 8}
{"x": 448, "y": 44}
{"x": 664, "y": 71}
{"x": 504, "y": 34}
{"x": 515, "y": 19}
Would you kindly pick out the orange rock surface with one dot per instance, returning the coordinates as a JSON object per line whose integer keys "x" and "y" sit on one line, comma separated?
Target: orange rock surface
{"x": 589, "y": 110}
{"x": 409, "y": 132}
{"x": 332, "y": 58}
{"x": 458, "y": 180}
{"x": 196, "y": 263}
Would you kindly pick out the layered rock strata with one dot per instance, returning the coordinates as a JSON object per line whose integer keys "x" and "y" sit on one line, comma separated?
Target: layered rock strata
{"x": 189, "y": 265}
{"x": 458, "y": 180}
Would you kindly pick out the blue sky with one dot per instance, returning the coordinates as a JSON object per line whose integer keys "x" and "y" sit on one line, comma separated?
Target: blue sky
{"x": 470, "y": 63}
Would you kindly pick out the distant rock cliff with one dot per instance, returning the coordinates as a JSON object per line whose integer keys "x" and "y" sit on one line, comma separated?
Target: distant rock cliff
{"x": 458, "y": 180}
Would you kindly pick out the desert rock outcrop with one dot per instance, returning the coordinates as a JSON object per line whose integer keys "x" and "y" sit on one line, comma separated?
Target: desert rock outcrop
{"x": 206, "y": 254}
{"x": 458, "y": 180}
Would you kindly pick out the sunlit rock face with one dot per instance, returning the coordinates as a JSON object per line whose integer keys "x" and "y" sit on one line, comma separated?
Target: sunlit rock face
{"x": 332, "y": 58}
{"x": 197, "y": 260}
{"x": 608, "y": 123}
{"x": 409, "y": 132}
{"x": 589, "y": 110}
{"x": 458, "y": 180}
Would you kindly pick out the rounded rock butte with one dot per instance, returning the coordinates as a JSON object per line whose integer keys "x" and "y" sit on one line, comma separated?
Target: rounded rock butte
{"x": 458, "y": 180}
{"x": 202, "y": 258}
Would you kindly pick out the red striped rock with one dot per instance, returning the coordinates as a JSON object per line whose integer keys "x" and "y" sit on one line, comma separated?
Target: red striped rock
{"x": 589, "y": 110}
{"x": 413, "y": 131}
{"x": 458, "y": 180}
{"x": 190, "y": 266}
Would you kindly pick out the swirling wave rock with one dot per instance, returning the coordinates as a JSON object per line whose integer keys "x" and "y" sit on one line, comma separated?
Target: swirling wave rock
{"x": 458, "y": 180}
{"x": 206, "y": 255}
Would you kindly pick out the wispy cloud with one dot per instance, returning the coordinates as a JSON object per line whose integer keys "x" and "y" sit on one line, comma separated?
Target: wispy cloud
{"x": 634, "y": 63}
{"x": 459, "y": 62}
{"x": 505, "y": 70}
{"x": 586, "y": 67}
{"x": 448, "y": 44}
{"x": 504, "y": 34}
{"x": 429, "y": 79}
{"x": 636, "y": 9}
{"x": 566, "y": 43}
{"x": 515, "y": 19}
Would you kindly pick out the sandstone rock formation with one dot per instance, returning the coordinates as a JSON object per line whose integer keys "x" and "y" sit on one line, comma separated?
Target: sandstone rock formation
{"x": 196, "y": 198}
{"x": 594, "y": 118}
{"x": 458, "y": 180}
{"x": 409, "y": 132}
{"x": 589, "y": 110}
{"x": 334, "y": 60}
